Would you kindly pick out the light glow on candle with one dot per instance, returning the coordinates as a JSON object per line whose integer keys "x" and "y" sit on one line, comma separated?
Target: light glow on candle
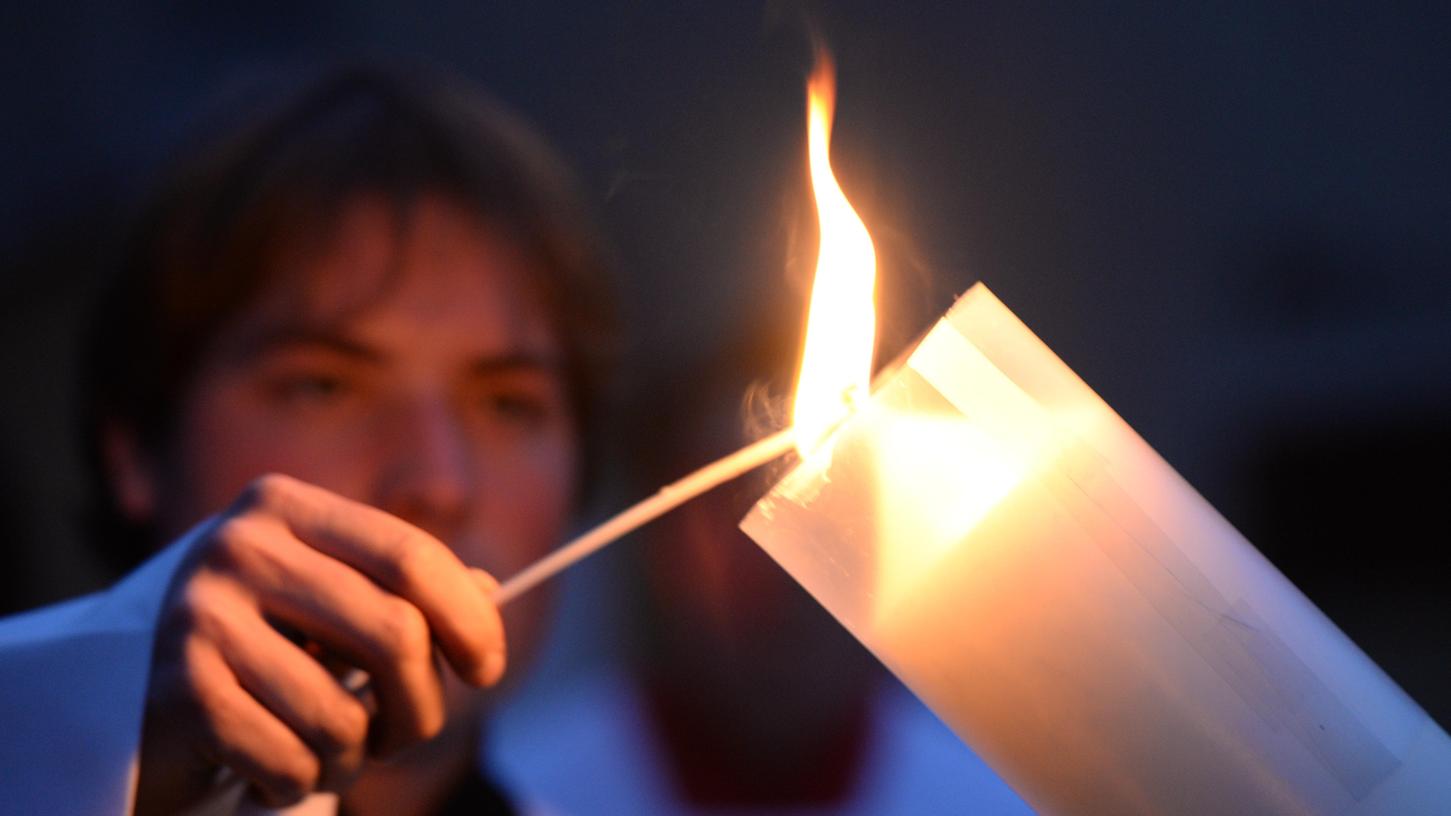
{"x": 958, "y": 474}
{"x": 836, "y": 358}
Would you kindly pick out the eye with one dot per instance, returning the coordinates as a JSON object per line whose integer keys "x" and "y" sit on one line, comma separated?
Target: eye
{"x": 517, "y": 406}
{"x": 309, "y": 387}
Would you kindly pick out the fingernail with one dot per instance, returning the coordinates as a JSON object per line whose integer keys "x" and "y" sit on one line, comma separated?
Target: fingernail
{"x": 494, "y": 664}
{"x": 486, "y": 583}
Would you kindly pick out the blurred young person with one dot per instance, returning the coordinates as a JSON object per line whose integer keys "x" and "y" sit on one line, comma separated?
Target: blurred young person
{"x": 348, "y": 368}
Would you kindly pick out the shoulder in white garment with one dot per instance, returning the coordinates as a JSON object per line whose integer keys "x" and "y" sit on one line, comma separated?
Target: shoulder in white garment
{"x": 72, "y": 691}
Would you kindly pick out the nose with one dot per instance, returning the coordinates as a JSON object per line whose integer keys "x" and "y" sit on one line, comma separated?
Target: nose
{"x": 430, "y": 479}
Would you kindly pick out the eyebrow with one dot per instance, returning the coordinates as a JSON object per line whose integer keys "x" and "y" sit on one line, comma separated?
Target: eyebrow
{"x": 517, "y": 361}
{"x": 504, "y": 362}
{"x": 282, "y": 338}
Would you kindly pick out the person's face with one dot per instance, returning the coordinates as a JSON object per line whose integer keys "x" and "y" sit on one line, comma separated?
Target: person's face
{"x": 411, "y": 369}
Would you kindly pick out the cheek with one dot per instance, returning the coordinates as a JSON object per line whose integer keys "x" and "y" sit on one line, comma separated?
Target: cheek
{"x": 523, "y": 514}
{"x": 526, "y": 497}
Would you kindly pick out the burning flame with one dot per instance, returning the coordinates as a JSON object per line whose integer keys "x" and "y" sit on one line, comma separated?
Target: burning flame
{"x": 836, "y": 360}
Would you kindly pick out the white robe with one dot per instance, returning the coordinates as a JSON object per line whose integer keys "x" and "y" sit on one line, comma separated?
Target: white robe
{"x": 72, "y": 692}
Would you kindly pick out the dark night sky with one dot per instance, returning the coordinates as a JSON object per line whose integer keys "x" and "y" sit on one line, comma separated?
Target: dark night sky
{"x": 1231, "y": 219}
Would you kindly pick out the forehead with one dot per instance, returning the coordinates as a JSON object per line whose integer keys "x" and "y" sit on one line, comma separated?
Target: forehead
{"x": 433, "y": 274}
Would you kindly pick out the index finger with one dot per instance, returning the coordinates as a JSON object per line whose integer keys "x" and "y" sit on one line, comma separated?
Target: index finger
{"x": 402, "y": 559}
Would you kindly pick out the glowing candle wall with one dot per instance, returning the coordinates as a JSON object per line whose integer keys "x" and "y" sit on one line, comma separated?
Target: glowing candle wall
{"x": 1073, "y": 609}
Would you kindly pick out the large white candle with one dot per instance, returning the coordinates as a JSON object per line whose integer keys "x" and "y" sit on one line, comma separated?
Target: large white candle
{"x": 1073, "y": 609}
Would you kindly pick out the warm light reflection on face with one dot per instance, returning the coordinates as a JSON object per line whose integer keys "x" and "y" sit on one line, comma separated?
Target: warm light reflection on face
{"x": 411, "y": 369}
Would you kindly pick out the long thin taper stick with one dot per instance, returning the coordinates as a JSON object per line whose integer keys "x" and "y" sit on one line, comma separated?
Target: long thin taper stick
{"x": 671, "y": 496}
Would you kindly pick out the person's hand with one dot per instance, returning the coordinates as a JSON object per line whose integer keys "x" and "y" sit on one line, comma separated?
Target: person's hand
{"x": 353, "y": 587}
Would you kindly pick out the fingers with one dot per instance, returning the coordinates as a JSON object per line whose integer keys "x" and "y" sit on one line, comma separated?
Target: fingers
{"x": 245, "y": 736}
{"x": 403, "y": 560}
{"x": 367, "y": 587}
{"x": 351, "y": 616}
{"x": 224, "y": 622}
{"x": 297, "y": 690}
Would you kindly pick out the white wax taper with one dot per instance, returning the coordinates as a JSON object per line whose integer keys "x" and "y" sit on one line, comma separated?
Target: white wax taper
{"x": 668, "y": 498}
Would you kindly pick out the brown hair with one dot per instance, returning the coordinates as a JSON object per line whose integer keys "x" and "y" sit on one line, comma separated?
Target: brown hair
{"x": 208, "y": 243}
